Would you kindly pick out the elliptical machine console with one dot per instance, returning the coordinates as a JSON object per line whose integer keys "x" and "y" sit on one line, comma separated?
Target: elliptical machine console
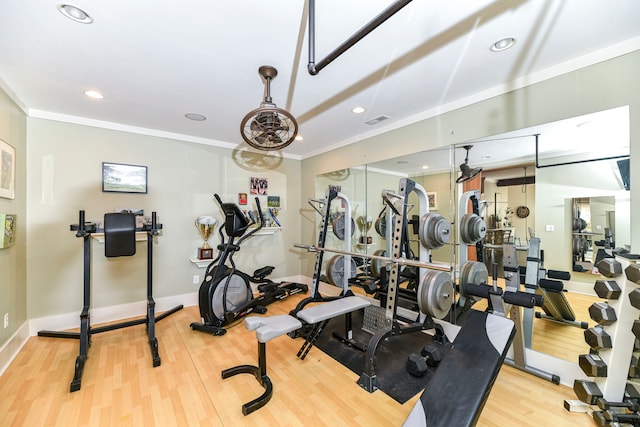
{"x": 225, "y": 294}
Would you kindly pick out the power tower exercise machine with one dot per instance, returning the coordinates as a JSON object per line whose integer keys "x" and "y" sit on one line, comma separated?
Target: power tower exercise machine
{"x": 119, "y": 240}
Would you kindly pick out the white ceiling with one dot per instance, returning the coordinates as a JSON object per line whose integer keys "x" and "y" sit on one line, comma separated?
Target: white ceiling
{"x": 156, "y": 61}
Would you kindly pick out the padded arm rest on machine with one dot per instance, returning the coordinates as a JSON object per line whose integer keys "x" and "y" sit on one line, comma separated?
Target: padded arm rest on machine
{"x": 481, "y": 291}
{"x": 560, "y": 275}
{"x": 460, "y": 386}
{"x": 523, "y": 299}
{"x": 331, "y": 309}
{"x": 551, "y": 285}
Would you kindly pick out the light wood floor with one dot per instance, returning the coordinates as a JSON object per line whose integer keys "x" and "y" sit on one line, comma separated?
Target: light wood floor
{"x": 121, "y": 388}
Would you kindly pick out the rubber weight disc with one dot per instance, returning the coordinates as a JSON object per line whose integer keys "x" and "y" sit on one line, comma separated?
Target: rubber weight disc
{"x": 435, "y": 231}
{"x": 339, "y": 225}
{"x": 472, "y": 272}
{"x": 435, "y": 294}
{"x": 472, "y": 229}
{"x": 336, "y": 270}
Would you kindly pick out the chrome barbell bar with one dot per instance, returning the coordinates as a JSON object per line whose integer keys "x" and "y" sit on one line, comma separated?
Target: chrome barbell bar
{"x": 387, "y": 260}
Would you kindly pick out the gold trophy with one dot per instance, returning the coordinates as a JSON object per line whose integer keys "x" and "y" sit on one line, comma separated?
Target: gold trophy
{"x": 365, "y": 223}
{"x": 205, "y": 225}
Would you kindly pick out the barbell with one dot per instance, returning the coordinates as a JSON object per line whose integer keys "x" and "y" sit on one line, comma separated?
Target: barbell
{"x": 384, "y": 259}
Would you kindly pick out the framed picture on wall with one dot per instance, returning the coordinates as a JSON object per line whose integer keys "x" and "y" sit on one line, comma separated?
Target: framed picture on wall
{"x": 122, "y": 178}
{"x": 432, "y": 196}
{"x": 7, "y": 170}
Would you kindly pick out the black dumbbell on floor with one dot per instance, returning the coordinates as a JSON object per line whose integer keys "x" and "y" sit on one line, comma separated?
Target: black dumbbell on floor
{"x": 606, "y": 418}
{"x": 429, "y": 356}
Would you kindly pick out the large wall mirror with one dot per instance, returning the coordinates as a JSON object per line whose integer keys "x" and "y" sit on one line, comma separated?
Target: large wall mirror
{"x": 531, "y": 182}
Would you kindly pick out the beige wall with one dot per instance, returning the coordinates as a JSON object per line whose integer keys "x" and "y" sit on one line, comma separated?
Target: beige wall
{"x": 599, "y": 87}
{"x": 13, "y": 271}
{"x": 64, "y": 176}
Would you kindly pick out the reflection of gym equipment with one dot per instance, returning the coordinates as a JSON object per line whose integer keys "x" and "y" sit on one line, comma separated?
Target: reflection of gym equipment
{"x": 513, "y": 301}
{"x": 225, "y": 294}
{"x": 119, "y": 240}
{"x": 341, "y": 268}
{"x": 471, "y": 231}
{"x": 556, "y": 307}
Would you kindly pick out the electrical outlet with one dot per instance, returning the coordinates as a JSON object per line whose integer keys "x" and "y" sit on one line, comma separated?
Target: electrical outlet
{"x": 549, "y": 228}
{"x": 6, "y": 320}
{"x": 196, "y": 279}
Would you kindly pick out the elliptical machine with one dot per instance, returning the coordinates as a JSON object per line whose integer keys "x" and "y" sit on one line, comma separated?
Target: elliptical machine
{"x": 225, "y": 295}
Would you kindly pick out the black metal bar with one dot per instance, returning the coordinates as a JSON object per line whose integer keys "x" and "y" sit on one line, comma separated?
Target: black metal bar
{"x": 314, "y": 68}
{"x": 575, "y": 162}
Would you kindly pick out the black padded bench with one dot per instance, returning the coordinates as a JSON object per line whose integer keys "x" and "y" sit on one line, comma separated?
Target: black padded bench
{"x": 460, "y": 386}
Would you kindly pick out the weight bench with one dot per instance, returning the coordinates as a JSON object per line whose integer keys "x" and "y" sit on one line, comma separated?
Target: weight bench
{"x": 268, "y": 328}
{"x": 460, "y": 386}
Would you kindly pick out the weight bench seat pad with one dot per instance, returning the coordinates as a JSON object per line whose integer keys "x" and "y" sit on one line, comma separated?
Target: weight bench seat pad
{"x": 331, "y": 309}
{"x": 271, "y": 327}
{"x": 460, "y": 386}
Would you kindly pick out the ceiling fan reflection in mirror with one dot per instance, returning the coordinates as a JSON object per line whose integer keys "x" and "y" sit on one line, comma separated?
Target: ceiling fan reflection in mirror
{"x": 268, "y": 127}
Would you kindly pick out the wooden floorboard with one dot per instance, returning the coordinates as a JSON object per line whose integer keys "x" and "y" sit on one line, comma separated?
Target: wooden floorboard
{"x": 120, "y": 387}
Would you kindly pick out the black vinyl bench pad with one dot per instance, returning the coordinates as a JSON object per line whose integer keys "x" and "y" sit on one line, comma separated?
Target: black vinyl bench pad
{"x": 461, "y": 384}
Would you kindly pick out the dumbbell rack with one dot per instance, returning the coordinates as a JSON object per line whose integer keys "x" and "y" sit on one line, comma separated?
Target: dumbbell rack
{"x": 613, "y": 382}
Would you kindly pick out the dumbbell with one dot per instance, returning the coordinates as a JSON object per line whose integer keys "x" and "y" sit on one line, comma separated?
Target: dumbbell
{"x": 602, "y": 313}
{"x": 628, "y": 405}
{"x": 592, "y": 365}
{"x": 634, "y": 298}
{"x": 636, "y": 328}
{"x": 633, "y": 273}
{"x": 587, "y": 391}
{"x": 429, "y": 356}
{"x": 608, "y": 289}
{"x": 597, "y": 338}
{"x": 609, "y": 267}
{"x": 605, "y": 418}
{"x": 634, "y": 368}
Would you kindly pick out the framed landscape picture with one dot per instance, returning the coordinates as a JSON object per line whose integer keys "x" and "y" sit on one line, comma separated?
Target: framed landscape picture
{"x": 122, "y": 178}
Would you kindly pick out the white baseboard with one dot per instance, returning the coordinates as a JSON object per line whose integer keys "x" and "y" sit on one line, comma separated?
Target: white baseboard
{"x": 12, "y": 347}
{"x": 61, "y": 322}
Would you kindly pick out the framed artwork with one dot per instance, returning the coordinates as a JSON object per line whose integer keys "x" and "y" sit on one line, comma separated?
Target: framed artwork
{"x": 7, "y": 230}
{"x": 259, "y": 186}
{"x": 242, "y": 198}
{"x": 432, "y": 196}
{"x": 7, "y": 170}
{"x": 273, "y": 201}
{"x": 121, "y": 178}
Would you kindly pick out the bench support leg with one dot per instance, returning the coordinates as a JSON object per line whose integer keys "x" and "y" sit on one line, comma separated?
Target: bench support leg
{"x": 260, "y": 372}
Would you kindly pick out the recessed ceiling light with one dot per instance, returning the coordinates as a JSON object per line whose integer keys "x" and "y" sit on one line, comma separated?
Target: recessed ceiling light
{"x": 299, "y": 138}
{"x": 93, "y": 94}
{"x": 196, "y": 117}
{"x": 425, "y": 167}
{"x": 503, "y": 44}
{"x": 358, "y": 110}
{"x": 75, "y": 14}
{"x": 485, "y": 157}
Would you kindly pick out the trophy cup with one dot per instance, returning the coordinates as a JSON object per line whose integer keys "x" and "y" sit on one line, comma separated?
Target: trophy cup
{"x": 205, "y": 225}
{"x": 364, "y": 223}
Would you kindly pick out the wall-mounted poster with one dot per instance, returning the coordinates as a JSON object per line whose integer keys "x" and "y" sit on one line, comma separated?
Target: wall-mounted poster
{"x": 258, "y": 186}
{"x": 7, "y": 230}
{"x": 7, "y": 170}
{"x": 273, "y": 201}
